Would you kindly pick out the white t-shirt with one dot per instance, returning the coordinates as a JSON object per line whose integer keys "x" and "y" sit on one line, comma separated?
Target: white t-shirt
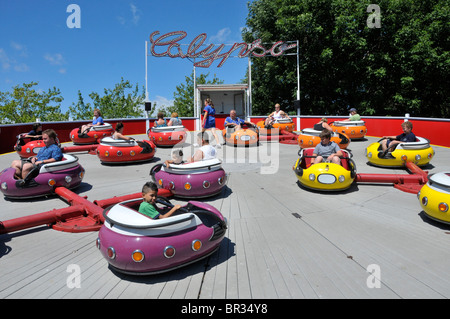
{"x": 277, "y": 115}
{"x": 209, "y": 152}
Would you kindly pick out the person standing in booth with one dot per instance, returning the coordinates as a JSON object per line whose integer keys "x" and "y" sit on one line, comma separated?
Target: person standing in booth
{"x": 209, "y": 119}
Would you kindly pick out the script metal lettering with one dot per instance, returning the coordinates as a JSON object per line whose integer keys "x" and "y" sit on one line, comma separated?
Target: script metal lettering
{"x": 170, "y": 42}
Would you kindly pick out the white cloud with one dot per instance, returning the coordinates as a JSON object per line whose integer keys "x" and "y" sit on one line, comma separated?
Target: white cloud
{"x": 4, "y": 60}
{"x": 221, "y": 36}
{"x": 163, "y": 101}
{"x": 7, "y": 63}
{"x": 54, "y": 59}
{"x": 21, "y": 67}
{"x": 19, "y": 47}
{"x": 121, "y": 20}
{"x": 136, "y": 13}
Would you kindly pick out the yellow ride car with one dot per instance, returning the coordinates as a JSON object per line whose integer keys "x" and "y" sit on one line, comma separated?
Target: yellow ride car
{"x": 419, "y": 152}
{"x": 434, "y": 197}
{"x": 324, "y": 176}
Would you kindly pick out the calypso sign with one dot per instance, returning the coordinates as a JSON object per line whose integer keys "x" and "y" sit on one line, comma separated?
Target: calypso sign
{"x": 169, "y": 42}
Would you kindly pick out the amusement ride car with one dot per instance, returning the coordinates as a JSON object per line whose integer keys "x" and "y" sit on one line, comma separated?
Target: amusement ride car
{"x": 133, "y": 243}
{"x": 94, "y": 135}
{"x": 246, "y": 136}
{"x": 353, "y": 129}
{"x": 125, "y": 151}
{"x": 324, "y": 176}
{"x": 167, "y": 135}
{"x": 191, "y": 180}
{"x": 310, "y": 138}
{"x": 419, "y": 152}
{"x": 42, "y": 181}
{"x": 278, "y": 126}
{"x": 434, "y": 197}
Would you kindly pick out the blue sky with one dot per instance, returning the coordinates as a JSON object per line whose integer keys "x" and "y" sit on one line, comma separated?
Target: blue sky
{"x": 37, "y": 45}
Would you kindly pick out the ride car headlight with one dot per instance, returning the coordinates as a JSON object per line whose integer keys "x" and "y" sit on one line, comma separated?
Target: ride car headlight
{"x": 424, "y": 201}
{"x": 111, "y": 253}
{"x": 68, "y": 179}
{"x": 369, "y": 155}
{"x": 137, "y": 256}
{"x": 196, "y": 245}
{"x": 169, "y": 252}
{"x": 341, "y": 178}
{"x": 4, "y": 186}
{"x": 312, "y": 177}
{"x": 443, "y": 207}
{"x": 418, "y": 157}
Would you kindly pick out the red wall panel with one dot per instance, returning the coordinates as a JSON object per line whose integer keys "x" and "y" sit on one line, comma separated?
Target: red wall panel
{"x": 435, "y": 130}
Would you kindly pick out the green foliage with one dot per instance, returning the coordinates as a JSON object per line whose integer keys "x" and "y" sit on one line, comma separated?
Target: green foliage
{"x": 80, "y": 110}
{"x": 115, "y": 103}
{"x": 402, "y": 67}
{"x": 184, "y": 94}
{"x": 24, "y": 104}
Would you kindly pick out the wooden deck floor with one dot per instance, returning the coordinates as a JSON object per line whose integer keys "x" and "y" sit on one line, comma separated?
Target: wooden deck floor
{"x": 283, "y": 242}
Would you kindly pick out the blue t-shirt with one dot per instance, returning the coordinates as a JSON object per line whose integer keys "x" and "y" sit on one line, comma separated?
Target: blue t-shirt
{"x": 48, "y": 152}
{"x": 98, "y": 120}
{"x": 410, "y": 137}
{"x": 236, "y": 121}
{"x": 210, "y": 120}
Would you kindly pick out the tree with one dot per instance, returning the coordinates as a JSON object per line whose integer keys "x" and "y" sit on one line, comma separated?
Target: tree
{"x": 184, "y": 94}
{"x": 115, "y": 103}
{"x": 24, "y": 104}
{"x": 401, "y": 67}
{"x": 81, "y": 111}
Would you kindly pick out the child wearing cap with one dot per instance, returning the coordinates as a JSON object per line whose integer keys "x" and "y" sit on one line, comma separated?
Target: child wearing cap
{"x": 354, "y": 116}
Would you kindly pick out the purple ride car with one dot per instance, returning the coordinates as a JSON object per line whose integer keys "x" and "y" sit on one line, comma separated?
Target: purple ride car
{"x": 191, "y": 180}
{"x": 67, "y": 173}
{"x": 133, "y": 243}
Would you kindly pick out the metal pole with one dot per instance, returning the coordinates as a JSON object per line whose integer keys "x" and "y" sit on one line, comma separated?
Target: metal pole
{"x": 250, "y": 86}
{"x": 196, "y": 110}
{"x": 146, "y": 80}
{"x": 147, "y": 122}
{"x": 298, "y": 86}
